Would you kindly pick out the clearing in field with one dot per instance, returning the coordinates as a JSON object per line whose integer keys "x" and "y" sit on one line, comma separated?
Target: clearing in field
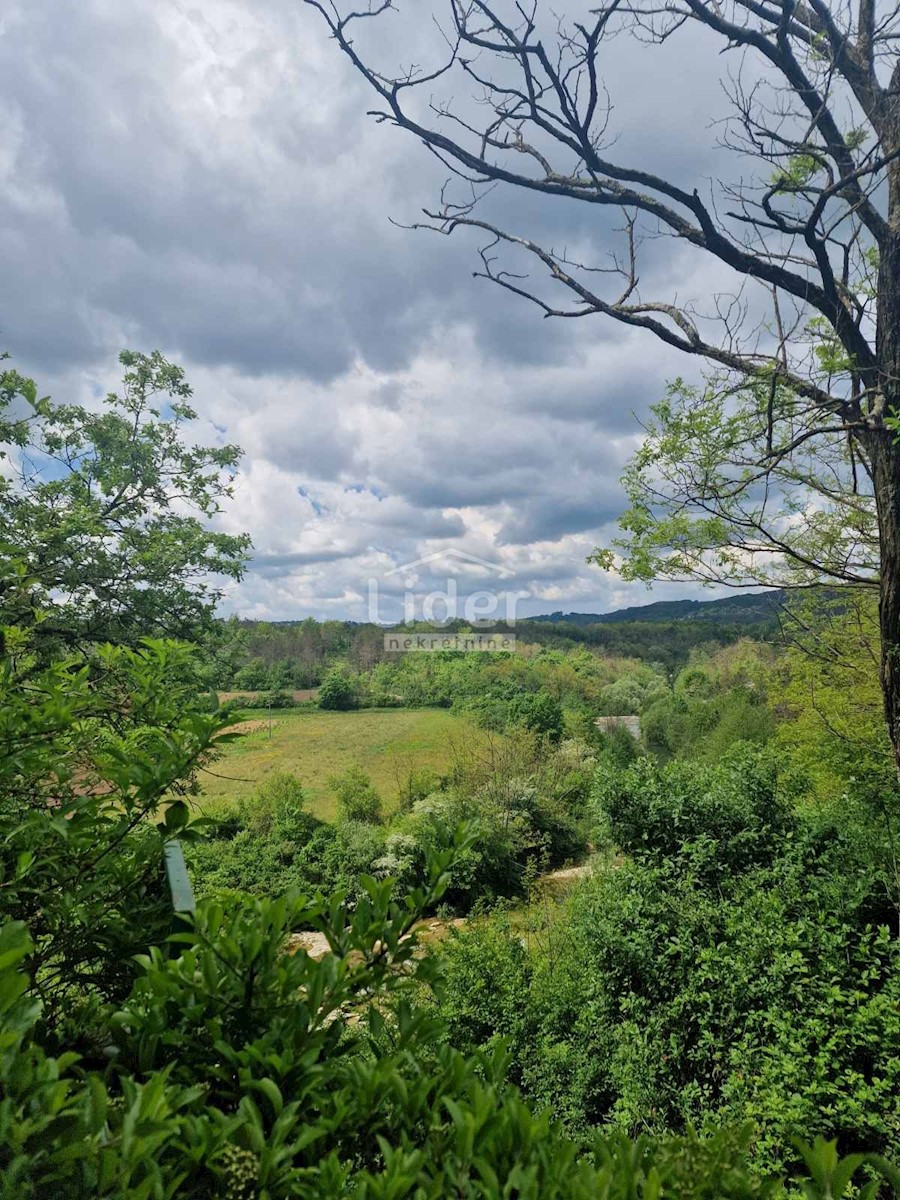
{"x": 314, "y": 746}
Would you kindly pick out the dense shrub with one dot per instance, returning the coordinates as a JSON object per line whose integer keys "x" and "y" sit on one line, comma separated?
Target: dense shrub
{"x": 525, "y": 801}
{"x": 741, "y": 964}
{"x": 88, "y": 749}
{"x": 270, "y": 844}
{"x": 540, "y": 713}
{"x": 225, "y": 1084}
{"x": 615, "y": 749}
{"x": 356, "y": 797}
{"x": 338, "y": 691}
{"x": 716, "y": 702}
{"x": 735, "y": 812}
{"x": 632, "y": 692}
{"x": 416, "y": 784}
{"x": 826, "y": 691}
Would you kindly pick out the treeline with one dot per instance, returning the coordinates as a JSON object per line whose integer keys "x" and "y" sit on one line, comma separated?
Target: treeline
{"x": 268, "y": 656}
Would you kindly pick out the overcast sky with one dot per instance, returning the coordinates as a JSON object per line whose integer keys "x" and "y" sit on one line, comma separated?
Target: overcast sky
{"x": 201, "y": 177}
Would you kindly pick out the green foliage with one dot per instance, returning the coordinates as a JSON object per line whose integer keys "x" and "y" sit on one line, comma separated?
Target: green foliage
{"x": 616, "y": 749}
{"x": 338, "y": 691}
{"x": 270, "y": 845}
{"x": 483, "y": 1016}
{"x": 278, "y": 803}
{"x": 526, "y": 803}
{"x": 356, "y": 797}
{"x": 87, "y": 754}
{"x": 259, "y": 655}
{"x": 505, "y": 708}
{"x": 723, "y": 490}
{"x": 266, "y": 847}
{"x": 739, "y": 965}
{"x": 732, "y": 814}
{"x": 244, "y": 1071}
{"x": 539, "y": 713}
{"x": 570, "y": 662}
{"x": 104, "y": 514}
{"x": 798, "y": 173}
{"x": 265, "y": 700}
{"x": 716, "y": 702}
{"x": 827, "y": 693}
{"x": 632, "y": 692}
{"x": 417, "y": 783}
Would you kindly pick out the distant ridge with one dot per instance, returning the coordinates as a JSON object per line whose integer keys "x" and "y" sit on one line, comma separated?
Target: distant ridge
{"x": 744, "y": 609}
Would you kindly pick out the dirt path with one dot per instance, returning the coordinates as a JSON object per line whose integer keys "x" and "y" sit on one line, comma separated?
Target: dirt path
{"x": 565, "y": 874}
{"x": 430, "y": 929}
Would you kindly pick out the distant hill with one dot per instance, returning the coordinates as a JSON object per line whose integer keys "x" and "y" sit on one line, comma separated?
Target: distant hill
{"x": 753, "y": 608}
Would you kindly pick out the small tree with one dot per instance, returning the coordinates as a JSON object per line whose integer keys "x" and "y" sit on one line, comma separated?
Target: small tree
{"x": 356, "y": 797}
{"x": 279, "y": 798}
{"x": 338, "y": 691}
{"x": 95, "y": 764}
{"x": 105, "y": 513}
{"x": 540, "y": 713}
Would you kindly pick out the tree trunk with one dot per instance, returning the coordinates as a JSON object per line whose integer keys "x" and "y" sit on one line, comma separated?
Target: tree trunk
{"x": 885, "y": 459}
{"x": 885, "y": 455}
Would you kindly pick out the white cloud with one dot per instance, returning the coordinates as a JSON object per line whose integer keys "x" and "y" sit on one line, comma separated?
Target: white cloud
{"x": 203, "y": 179}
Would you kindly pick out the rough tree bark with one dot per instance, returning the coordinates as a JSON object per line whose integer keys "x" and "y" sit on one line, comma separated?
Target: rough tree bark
{"x": 883, "y": 450}
{"x": 817, "y": 229}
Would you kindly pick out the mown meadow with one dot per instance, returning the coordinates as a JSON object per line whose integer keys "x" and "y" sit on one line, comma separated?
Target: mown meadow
{"x": 317, "y": 746}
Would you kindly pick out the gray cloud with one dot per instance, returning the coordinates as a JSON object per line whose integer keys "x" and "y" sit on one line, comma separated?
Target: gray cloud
{"x": 203, "y": 179}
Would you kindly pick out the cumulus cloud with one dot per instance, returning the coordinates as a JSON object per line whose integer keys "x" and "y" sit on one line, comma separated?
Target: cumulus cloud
{"x": 203, "y": 179}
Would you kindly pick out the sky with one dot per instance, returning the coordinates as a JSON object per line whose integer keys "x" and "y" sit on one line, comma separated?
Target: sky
{"x": 201, "y": 178}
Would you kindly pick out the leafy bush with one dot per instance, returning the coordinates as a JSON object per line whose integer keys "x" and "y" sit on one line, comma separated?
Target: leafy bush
{"x": 501, "y": 708}
{"x": 225, "y": 1084}
{"x": 338, "y": 691}
{"x": 826, "y": 691}
{"x": 87, "y": 752}
{"x": 740, "y": 965}
{"x": 357, "y": 798}
{"x": 717, "y": 702}
{"x": 417, "y": 783}
{"x": 540, "y": 713}
{"x": 632, "y": 692}
{"x": 269, "y": 844}
{"x": 736, "y": 810}
{"x": 263, "y": 855}
{"x": 616, "y": 749}
{"x": 278, "y": 803}
{"x": 488, "y": 867}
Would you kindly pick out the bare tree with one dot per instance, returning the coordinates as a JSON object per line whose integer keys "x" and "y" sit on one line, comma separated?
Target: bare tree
{"x": 810, "y": 332}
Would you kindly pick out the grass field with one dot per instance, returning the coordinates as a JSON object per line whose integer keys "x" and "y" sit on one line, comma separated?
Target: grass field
{"x": 315, "y": 745}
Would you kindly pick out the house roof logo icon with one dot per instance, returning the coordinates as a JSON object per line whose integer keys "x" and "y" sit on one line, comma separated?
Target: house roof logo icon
{"x": 461, "y": 556}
